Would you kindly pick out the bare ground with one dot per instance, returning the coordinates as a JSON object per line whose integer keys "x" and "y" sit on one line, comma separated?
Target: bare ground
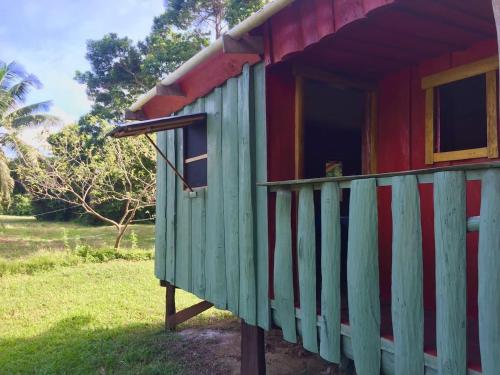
{"x": 215, "y": 349}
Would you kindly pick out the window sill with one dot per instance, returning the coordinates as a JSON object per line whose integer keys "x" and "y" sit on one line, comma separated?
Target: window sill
{"x": 473, "y": 153}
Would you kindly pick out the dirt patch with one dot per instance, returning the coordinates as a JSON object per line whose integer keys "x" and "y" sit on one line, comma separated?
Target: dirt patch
{"x": 215, "y": 349}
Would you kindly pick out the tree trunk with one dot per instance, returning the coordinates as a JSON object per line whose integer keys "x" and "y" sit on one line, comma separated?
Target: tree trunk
{"x": 121, "y": 231}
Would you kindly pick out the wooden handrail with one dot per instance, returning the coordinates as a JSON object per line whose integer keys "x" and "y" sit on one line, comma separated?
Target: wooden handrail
{"x": 384, "y": 179}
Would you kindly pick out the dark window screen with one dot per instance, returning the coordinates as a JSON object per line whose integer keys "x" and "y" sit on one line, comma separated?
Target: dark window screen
{"x": 195, "y": 144}
{"x": 195, "y": 140}
{"x": 462, "y": 115}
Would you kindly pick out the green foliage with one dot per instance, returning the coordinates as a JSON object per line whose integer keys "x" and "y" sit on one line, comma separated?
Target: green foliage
{"x": 20, "y": 206}
{"x": 238, "y": 10}
{"x": 122, "y": 70}
{"x": 25, "y": 236}
{"x": 48, "y": 260}
{"x": 134, "y": 240}
{"x": 109, "y": 179}
{"x": 210, "y": 14}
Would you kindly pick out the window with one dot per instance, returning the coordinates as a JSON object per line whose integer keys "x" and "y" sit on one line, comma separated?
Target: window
{"x": 461, "y": 112}
{"x": 195, "y": 154}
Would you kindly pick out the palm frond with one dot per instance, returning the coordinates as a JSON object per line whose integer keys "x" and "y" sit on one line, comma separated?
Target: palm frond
{"x": 21, "y": 89}
{"x": 29, "y": 110}
{"x": 33, "y": 120}
{"x": 10, "y": 73}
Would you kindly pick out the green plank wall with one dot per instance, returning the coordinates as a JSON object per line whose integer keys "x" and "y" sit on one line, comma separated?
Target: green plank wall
{"x": 213, "y": 243}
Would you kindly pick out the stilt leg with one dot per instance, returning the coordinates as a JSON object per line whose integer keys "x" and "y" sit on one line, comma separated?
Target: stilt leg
{"x": 169, "y": 307}
{"x": 253, "y": 360}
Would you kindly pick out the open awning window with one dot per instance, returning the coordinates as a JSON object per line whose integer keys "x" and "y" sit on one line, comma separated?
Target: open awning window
{"x": 161, "y": 124}
{"x": 157, "y": 125}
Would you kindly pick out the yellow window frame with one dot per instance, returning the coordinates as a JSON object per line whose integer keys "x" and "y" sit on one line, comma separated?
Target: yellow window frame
{"x": 488, "y": 67}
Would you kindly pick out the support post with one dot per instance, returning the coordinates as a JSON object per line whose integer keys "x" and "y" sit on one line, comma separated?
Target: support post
{"x": 253, "y": 357}
{"x": 169, "y": 307}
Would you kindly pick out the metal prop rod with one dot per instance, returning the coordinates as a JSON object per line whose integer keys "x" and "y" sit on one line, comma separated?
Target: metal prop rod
{"x": 169, "y": 163}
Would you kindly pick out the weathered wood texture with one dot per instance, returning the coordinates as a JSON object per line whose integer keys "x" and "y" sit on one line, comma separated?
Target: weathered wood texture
{"x": 363, "y": 277}
{"x": 261, "y": 204}
{"x": 330, "y": 272}
{"x": 212, "y": 242}
{"x": 283, "y": 273}
{"x": 407, "y": 278}
{"x": 248, "y": 283}
{"x": 230, "y": 157}
{"x": 183, "y": 222}
{"x": 199, "y": 237}
{"x": 450, "y": 226}
{"x": 171, "y": 209}
{"x": 161, "y": 206}
{"x": 306, "y": 244}
{"x": 216, "y": 257}
{"x": 489, "y": 274}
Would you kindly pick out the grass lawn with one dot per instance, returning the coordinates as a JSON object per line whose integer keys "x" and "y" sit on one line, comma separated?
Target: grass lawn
{"x": 22, "y": 236}
{"x": 91, "y": 318}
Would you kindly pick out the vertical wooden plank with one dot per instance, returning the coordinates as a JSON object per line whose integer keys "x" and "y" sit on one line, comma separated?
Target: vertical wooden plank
{"x": 306, "y": 246}
{"x": 215, "y": 254}
{"x": 489, "y": 273}
{"x": 330, "y": 273}
{"x": 429, "y": 126}
{"x": 183, "y": 223}
{"x": 450, "y": 225}
{"x": 171, "y": 187}
{"x": 198, "y": 231}
{"x": 299, "y": 127}
{"x": 407, "y": 277}
{"x": 161, "y": 208}
{"x": 261, "y": 216}
{"x": 248, "y": 283}
{"x": 363, "y": 277}
{"x": 283, "y": 267}
{"x": 230, "y": 161}
{"x": 491, "y": 114}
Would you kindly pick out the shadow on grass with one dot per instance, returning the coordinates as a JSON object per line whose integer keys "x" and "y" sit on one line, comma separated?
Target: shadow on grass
{"x": 73, "y": 346}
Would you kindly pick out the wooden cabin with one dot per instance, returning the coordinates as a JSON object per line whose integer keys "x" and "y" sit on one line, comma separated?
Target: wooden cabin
{"x": 333, "y": 172}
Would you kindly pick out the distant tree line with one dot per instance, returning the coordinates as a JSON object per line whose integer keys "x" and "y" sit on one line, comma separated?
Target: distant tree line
{"x": 87, "y": 174}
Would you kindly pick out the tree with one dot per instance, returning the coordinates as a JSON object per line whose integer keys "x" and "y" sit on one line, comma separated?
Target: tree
{"x": 89, "y": 171}
{"x": 121, "y": 70}
{"x": 15, "y": 85}
{"x": 212, "y": 14}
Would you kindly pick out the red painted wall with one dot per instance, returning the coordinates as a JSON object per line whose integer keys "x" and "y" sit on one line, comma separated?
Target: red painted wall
{"x": 401, "y": 147}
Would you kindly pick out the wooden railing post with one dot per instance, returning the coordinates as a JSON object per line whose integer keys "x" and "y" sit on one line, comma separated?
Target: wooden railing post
{"x": 450, "y": 226}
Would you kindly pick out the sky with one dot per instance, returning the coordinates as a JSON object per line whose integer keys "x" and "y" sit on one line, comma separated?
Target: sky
{"x": 48, "y": 37}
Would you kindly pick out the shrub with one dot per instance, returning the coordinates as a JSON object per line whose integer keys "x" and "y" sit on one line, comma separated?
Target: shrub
{"x": 20, "y": 206}
{"x": 48, "y": 260}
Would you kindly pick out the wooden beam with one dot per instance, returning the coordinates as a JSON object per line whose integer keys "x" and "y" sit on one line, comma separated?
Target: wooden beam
{"x": 170, "y": 90}
{"x": 169, "y": 304}
{"x": 136, "y": 116}
{"x": 248, "y": 44}
{"x": 186, "y": 314}
{"x": 253, "y": 355}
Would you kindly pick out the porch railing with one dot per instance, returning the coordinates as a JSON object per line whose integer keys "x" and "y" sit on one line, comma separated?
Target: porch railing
{"x": 360, "y": 339}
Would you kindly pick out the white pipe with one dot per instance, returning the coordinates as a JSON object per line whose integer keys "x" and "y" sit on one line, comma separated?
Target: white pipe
{"x": 252, "y": 22}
